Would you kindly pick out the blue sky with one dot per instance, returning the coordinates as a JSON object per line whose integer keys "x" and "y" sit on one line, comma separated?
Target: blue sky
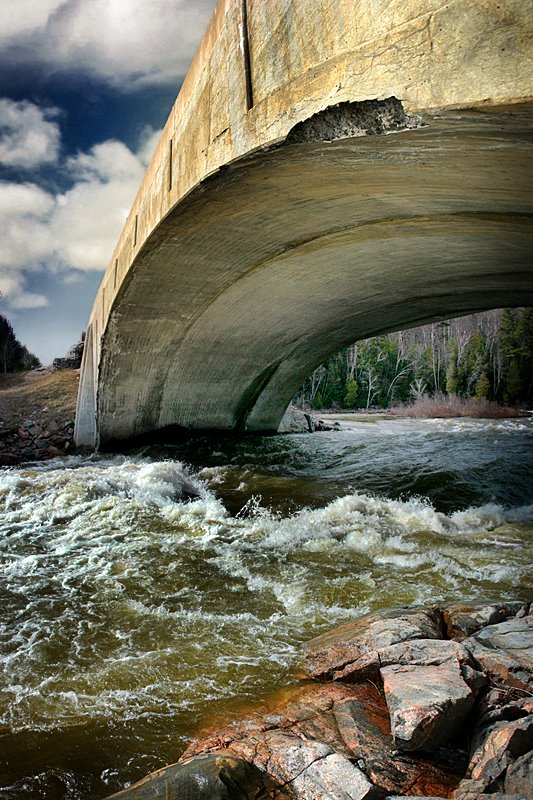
{"x": 85, "y": 87}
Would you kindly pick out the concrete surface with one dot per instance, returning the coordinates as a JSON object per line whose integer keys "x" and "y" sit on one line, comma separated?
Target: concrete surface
{"x": 249, "y": 257}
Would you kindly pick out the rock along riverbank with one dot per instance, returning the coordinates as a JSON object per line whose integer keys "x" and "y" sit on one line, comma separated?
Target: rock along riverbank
{"x": 37, "y": 411}
{"x": 422, "y": 701}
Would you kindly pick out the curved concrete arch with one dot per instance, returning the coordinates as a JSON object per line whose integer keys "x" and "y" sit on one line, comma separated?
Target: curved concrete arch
{"x": 443, "y": 266}
{"x": 220, "y": 300}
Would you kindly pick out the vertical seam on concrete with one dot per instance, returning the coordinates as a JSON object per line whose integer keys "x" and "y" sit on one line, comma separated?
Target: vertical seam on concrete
{"x": 115, "y": 274}
{"x": 246, "y": 57}
{"x": 170, "y": 165}
{"x": 135, "y": 230}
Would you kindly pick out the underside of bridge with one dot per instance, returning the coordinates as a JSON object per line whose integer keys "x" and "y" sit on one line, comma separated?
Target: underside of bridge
{"x": 287, "y": 255}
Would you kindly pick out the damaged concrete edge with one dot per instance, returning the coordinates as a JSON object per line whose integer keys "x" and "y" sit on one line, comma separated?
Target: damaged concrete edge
{"x": 343, "y": 120}
{"x": 350, "y": 119}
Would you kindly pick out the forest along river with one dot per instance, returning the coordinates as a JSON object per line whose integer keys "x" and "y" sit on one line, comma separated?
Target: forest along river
{"x": 144, "y": 595}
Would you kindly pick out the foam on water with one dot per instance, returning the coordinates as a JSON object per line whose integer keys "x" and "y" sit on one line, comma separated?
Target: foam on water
{"x": 132, "y": 597}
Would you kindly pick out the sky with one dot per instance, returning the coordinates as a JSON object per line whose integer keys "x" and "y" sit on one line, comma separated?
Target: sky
{"x": 85, "y": 89}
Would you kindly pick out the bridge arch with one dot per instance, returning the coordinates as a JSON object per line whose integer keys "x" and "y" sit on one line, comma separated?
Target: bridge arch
{"x": 220, "y": 300}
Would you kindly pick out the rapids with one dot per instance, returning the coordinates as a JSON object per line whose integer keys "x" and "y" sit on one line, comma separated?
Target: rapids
{"x": 144, "y": 594}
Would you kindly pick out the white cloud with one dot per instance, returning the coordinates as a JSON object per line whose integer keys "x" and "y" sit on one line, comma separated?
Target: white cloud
{"x": 23, "y": 198}
{"x": 25, "y": 210}
{"x": 29, "y": 136}
{"x": 88, "y": 218}
{"x": 28, "y": 300}
{"x": 128, "y": 43}
{"x": 76, "y": 230}
{"x": 106, "y": 162}
{"x": 12, "y": 291}
{"x": 24, "y": 16}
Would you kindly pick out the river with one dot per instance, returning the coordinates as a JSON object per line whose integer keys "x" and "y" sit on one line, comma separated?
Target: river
{"x": 143, "y": 595}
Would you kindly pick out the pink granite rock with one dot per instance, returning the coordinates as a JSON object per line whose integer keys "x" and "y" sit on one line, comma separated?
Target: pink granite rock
{"x": 519, "y": 776}
{"x": 352, "y": 720}
{"x": 427, "y": 704}
{"x": 314, "y": 771}
{"x": 350, "y": 650}
{"x": 505, "y": 652}
{"x": 465, "y": 619}
{"x": 497, "y": 748}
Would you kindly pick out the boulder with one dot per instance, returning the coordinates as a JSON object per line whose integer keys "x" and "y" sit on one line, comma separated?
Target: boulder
{"x": 363, "y": 722}
{"x": 213, "y": 777}
{"x": 296, "y": 421}
{"x": 350, "y": 652}
{"x": 8, "y": 459}
{"x": 312, "y": 768}
{"x": 427, "y": 704}
{"x": 464, "y": 619}
{"x": 430, "y": 687}
{"x": 501, "y": 705}
{"x": 28, "y": 453}
{"x": 495, "y": 748}
{"x": 471, "y": 791}
{"x": 519, "y": 776}
{"x": 505, "y": 651}
{"x": 349, "y": 720}
{"x": 424, "y": 653}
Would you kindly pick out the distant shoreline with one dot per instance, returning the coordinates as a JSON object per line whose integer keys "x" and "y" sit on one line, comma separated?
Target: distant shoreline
{"x": 430, "y": 408}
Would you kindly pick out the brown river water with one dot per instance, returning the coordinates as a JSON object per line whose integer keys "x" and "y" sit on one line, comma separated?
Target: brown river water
{"x": 145, "y": 594}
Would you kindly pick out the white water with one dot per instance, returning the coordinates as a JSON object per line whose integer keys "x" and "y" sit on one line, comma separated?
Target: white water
{"x": 135, "y": 604}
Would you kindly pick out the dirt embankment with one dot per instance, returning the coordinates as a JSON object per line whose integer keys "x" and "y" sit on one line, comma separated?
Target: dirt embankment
{"x": 37, "y": 412}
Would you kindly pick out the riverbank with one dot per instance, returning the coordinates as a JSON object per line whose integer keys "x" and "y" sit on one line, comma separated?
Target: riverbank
{"x": 37, "y": 410}
{"x": 426, "y": 701}
{"x": 145, "y": 593}
{"x": 439, "y": 407}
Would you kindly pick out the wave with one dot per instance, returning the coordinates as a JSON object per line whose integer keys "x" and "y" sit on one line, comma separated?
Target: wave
{"x": 130, "y": 590}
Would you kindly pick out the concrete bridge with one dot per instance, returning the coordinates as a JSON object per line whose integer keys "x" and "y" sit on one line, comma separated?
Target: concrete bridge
{"x": 331, "y": 170}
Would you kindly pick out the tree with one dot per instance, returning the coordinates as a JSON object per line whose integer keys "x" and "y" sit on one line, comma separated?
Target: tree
{"x": 482, "y": 386}
{"x": 74, "y": 356}
{"x": 511, "y": 391}
{"x": 14, "y": 356}
{"x": 452, "y": 378}
{"x": 525, "y": 354}
{"x": 350, "y": 394}
{"x": 486, "y": 355}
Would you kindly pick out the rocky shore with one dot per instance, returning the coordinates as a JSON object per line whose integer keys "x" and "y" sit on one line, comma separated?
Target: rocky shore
{"x": 423, "y": 701}
{"x": 35, "y": 440}
{"x": 37, "y": 415}
{"x": 37, "y": 411}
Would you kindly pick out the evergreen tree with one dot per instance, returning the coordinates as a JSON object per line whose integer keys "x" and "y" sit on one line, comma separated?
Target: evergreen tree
{"x": 511, "y": 391}
{"x": 482, "y": 387}
{"x": 14, "y": 356}
{"x": 525, "y": 356}
{"x": 487, "y": 355}
{"x": 452, "y": 378}
{"x": 350, "y": 393}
